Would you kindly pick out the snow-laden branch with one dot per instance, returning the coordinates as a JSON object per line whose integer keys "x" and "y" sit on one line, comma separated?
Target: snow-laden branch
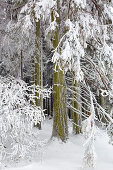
{"x": 18, "y": 115}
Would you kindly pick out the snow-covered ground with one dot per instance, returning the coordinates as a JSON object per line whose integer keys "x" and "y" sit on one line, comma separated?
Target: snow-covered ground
{"x": 68, "y": 156}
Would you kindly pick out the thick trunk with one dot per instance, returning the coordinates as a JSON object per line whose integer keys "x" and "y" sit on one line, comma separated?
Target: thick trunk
{"x": 60, "y": 128}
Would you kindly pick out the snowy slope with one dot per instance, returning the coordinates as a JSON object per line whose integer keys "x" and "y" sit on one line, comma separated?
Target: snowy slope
{"x": 58, "y": 156}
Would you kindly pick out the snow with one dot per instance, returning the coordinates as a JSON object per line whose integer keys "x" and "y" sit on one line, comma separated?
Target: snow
{"x": 68, "y": 156}
{"x": 104, "y": 153}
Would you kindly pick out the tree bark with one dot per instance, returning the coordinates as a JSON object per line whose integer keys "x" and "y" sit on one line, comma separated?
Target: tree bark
{"x": 76, "y": 116}
{"x": 60, "y": 128}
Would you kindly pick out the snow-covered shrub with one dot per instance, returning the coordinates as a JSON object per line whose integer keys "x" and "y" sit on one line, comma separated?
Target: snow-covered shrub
{"x": 18, "y": 114}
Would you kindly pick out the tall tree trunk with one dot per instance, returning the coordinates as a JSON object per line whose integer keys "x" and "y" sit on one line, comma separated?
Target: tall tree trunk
{"x": 60, "y": 128}
{"x": 38, "y": 69}
{"x": 76, "y": 114}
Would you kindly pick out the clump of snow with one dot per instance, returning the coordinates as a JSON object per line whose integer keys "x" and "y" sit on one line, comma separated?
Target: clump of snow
{"x": 27, "y": 25}
{"x": 43, "y": 8}
{"x": 81, "y": 3}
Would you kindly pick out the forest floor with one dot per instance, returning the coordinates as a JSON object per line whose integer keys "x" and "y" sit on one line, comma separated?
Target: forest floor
{"x": 68, "y": 156}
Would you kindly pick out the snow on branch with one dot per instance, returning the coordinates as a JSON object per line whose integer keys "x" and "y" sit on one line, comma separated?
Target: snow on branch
{"x": 18, "y": 115}
{"x": 89, "y": 134}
